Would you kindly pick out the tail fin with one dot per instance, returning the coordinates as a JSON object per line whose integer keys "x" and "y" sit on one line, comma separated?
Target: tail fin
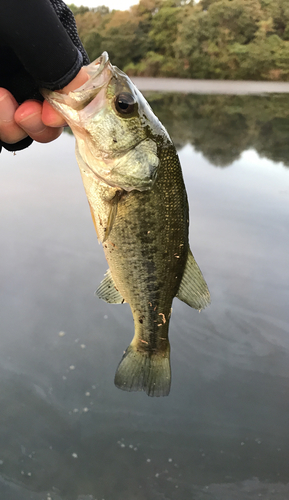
{"x": 142, "y": 370}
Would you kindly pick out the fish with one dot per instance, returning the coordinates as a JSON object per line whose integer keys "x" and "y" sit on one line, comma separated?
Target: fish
{"x": 135, "y": 189}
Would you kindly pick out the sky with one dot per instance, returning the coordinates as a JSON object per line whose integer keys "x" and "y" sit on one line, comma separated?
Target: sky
{"x": 112, "y": 4}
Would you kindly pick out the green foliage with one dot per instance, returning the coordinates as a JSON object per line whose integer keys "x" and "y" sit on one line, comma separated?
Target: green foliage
{"x": 164, "y": 27}
{"x": 92, "y": 42}
{"x": 78, "y": 10}
{"x": 228, "y": 39}
{"x": 119, "y": 42}
{"x": 153, "y": 64}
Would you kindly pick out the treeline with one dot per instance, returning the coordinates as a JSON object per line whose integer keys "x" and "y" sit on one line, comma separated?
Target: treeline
{"x": 226, "y": 39}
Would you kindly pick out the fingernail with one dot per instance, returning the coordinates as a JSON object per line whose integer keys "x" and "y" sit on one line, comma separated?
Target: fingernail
{"x": 32, "y": 124}
{"x": 7, "y": 109}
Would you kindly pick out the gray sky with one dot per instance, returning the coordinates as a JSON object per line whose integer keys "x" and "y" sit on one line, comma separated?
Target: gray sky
{"x": 112, "y": 4}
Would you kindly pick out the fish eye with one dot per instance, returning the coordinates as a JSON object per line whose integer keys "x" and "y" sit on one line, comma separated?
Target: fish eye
{"x": 125, "y": 103}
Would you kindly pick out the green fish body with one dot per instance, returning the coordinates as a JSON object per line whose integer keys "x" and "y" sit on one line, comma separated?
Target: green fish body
{"x": 134, "y": 185}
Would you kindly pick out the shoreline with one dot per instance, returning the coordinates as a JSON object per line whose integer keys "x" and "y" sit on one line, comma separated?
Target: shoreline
{"x": 234, "y": 87}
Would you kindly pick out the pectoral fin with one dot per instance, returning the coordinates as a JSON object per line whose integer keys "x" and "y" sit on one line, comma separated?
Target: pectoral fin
{"x": 193, "y": 289}
{"x": 111, "y": 215}
{"x": 108, "y": 292}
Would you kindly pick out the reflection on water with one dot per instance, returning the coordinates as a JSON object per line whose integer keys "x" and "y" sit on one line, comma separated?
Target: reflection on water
{"x": 66, "y": 432}
{"x": 222, "y": 127}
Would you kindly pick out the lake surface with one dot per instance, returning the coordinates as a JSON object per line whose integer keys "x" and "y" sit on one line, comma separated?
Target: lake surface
{"x": 66, "y": 432}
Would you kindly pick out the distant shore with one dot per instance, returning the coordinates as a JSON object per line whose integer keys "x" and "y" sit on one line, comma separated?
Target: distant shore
{"x": 209, "y": 86}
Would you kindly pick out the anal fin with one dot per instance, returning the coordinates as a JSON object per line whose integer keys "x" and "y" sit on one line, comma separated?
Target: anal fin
{"x": 193, "y": 289}
{"x": 107, "y": 290}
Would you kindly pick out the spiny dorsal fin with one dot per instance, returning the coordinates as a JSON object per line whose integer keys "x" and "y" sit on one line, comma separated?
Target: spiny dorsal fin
{"x": 193, "y": 289}
{"x": 107, "y": 290}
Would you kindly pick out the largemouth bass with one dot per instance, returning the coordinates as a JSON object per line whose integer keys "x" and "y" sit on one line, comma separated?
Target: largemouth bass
{"x": 134, "y": 185}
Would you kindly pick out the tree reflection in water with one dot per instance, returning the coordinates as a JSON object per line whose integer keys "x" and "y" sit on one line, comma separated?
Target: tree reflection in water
{"x": 223, "y": 126}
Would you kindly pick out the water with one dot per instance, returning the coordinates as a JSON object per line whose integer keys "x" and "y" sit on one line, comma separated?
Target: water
{"x": 66, "y": 432}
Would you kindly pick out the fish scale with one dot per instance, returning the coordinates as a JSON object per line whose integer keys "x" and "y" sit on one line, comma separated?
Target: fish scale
{"x": 148, "y": 245}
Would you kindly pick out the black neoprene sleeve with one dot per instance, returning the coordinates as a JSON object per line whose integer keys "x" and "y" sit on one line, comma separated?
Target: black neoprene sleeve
{"x": 32, "y": 29}
{"x": 39, "y": 47}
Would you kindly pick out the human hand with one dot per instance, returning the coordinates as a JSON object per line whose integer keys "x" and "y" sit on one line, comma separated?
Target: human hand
{"x": 16, "y": 122}
{"x": 33, "y": 118}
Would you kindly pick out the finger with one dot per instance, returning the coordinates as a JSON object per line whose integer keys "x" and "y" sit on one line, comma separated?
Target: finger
{"x": 50, "y": 117}
{"x": 29, "y": 117}
{"x": 10, "y": 132}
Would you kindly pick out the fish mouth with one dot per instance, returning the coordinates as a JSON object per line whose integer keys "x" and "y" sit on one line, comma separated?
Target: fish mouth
{"x": 96, "y": 67}
{"x": 100, "y": 73}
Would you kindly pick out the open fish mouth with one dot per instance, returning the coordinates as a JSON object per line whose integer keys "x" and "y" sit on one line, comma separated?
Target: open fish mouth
{"x": 100, "y": 73}
{"x": 97, "y": 66}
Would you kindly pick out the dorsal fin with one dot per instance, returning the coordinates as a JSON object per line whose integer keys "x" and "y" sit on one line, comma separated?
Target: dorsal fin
{"x": 193, "y": 289}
